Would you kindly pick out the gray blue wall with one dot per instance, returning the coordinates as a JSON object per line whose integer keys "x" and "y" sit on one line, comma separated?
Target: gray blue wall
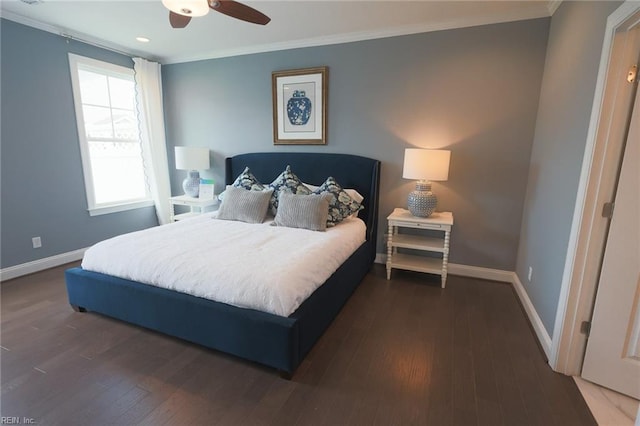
{"x": 518, "y": 138}
{"x": 474, "y": 91}
{"x": 40, "y": 171}
{"x": 571, "y": 68}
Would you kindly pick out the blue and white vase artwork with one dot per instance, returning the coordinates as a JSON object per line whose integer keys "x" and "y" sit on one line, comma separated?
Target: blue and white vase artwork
{"x": 299, "y": 108}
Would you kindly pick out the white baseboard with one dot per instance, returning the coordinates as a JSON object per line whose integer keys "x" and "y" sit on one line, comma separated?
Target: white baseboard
{"x": 479, "y": 272}
{"x": 502, "y": 276}
{"x": 40, "y": 264}
{"x": 534, "y": 318}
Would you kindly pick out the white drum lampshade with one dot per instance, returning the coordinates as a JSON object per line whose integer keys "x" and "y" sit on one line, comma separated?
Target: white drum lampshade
{"x": 425, "y": 165}
{"x": 192, "y": 159}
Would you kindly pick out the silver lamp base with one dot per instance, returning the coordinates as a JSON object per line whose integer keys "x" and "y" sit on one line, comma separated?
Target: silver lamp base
{"x": 191, "y": 184}
{"x": 422, "y": 202}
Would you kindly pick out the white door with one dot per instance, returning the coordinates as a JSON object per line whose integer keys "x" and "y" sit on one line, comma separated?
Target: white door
{"x": 612, "y": 358}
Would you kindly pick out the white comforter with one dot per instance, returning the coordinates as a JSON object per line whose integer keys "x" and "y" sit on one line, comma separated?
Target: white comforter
{"x": 268, "y": 268}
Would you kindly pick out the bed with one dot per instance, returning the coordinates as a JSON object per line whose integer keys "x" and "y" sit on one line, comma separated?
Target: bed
{"x": 276, "y": 341}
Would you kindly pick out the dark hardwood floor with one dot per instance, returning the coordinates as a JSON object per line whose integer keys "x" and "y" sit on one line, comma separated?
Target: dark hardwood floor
{"x": 401, "y": 352}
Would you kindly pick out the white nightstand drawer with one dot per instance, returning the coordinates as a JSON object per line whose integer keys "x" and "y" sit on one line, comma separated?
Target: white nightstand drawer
{"x": 417, "y": 225}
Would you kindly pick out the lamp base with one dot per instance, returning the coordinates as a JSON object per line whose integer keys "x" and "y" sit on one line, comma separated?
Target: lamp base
{"x": 422, "y": 202}
{"x": 191, "y": 184}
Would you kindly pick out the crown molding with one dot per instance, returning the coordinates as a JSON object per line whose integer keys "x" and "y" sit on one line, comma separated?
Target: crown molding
{"x": 553, "y": 5}
{"x": 73, "y": 35}
{"x": 286, "y": 45}
{"x": 4, "y": 14}
{"x": 355, "y": 37}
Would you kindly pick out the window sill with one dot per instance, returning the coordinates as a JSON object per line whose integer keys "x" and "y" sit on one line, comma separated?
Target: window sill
{"x": 97, "y": 211}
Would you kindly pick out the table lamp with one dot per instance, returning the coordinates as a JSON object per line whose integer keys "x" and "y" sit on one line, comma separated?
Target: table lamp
{"x": 192, "y": 159}
{"x": 425, "y": 165}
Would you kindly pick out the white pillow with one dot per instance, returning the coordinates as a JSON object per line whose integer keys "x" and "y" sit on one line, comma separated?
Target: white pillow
{"x": 355, "y": 195}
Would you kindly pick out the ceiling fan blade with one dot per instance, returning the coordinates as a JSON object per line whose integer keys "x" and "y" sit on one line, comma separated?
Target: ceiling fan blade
{"x": 239, "y": 11}
{"x": 178, "y": 21}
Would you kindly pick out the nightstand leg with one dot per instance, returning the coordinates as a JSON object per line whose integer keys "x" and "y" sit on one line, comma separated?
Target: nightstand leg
{"x": 389, "y": 251}
{"x": 445, "y": 258}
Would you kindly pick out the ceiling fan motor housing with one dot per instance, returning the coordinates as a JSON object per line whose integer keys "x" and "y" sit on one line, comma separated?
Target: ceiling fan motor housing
{"x": 187, "y": 7}
{"x": 183, "y": 10}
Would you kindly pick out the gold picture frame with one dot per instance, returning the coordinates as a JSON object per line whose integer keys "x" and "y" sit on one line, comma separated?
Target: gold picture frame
{"x": 300, "y": 106}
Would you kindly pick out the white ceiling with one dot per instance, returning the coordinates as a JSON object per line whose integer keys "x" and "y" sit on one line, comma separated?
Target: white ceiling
{"x": 294, "y": 23}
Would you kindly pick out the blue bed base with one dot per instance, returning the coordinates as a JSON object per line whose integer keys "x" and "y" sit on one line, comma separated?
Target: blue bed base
{"x": 275, "y": 341}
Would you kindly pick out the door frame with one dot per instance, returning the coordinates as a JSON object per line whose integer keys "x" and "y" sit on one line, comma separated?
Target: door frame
{"x": 588, "y": 230}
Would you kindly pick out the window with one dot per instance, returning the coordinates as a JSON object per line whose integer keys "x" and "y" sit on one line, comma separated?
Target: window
{"x": 104, "y": 96}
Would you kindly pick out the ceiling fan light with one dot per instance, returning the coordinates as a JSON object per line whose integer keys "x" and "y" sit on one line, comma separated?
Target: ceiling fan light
{"x": 187, "y": 7}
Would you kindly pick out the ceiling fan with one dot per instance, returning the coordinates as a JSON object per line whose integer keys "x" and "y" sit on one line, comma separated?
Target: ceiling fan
{"x": 181, "y": 11}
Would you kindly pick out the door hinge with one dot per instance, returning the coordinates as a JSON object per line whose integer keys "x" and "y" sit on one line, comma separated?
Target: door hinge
{"x": 607, "y": 209}
{"x": 632, "y": 74}
{"x": 585, "y": 327}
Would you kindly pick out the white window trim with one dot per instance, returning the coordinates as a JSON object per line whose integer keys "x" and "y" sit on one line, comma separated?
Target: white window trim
{"x": 115, "y": 70}
{"x": 114, "y": 208}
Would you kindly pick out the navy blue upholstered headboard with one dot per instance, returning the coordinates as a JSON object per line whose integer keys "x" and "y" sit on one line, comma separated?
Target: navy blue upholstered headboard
{"x": 351, "y": 171}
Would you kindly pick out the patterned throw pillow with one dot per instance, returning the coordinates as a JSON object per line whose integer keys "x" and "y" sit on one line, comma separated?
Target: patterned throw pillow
{"x": 341, "y": 205}
{"x": 247, "y": 180}
{"x": 287, "y": 182}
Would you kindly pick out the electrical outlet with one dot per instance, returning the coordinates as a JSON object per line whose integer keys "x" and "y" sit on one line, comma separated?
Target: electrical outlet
{"x": 37, "y": 242}
{"x": 530, "y": 273}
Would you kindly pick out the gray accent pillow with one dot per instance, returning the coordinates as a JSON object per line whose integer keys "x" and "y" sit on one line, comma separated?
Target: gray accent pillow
{"x": 302, "y": 211}
{"x": 244, "y": 205}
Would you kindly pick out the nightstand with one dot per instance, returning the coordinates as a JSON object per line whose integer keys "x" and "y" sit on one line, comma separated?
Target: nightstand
{"x": 439, "y": 221}
{"x": 196, "y": 206}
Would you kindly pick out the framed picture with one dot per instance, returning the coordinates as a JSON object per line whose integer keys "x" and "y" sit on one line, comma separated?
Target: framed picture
{"x": 300, "y": 106}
